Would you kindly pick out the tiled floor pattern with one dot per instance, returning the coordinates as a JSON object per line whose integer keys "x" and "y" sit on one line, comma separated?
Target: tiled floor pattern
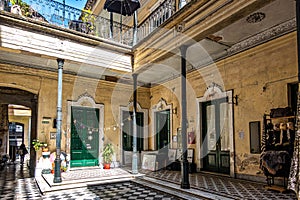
{"x": 93, "y": 173}
{"x": 117, "y": 191}
{"x": 219, "y": 184}
{"x": 81, "y": 175}
{"x": 15, "y": 183}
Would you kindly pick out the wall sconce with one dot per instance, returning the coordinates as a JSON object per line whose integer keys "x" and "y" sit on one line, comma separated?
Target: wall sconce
{"x": 235, "y": 100}
{"x": 174, "y": 110}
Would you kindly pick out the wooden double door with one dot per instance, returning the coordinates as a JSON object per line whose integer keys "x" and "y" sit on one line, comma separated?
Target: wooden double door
{"x": 84, "y": 136}
{"x": 215, "y": 136}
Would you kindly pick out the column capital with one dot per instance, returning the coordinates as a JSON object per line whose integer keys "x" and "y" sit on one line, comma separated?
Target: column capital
{"x": 134, "y": 75}
{"x": 60, "y": 62}
{"x": 183, "y": 49}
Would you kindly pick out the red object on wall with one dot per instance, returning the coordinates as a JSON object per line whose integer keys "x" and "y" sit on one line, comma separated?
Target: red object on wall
{"x": 191, "y": 137}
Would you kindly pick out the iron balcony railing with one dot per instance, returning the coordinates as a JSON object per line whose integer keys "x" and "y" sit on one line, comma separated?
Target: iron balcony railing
{"x": 69, "y": 17}
{"x": 83, "y": 21}
{"x": 161, "y": 13}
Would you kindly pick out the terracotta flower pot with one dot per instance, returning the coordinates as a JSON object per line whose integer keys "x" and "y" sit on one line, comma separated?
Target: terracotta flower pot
{"x": 45, "y": 149}
{"x": 106, "y": 166}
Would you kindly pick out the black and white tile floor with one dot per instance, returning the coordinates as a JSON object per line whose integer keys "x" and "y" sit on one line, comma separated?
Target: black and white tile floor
{"x": 236, "y": 188}
{"x": 15, "y": 183}
{"x": 117, "y": 191}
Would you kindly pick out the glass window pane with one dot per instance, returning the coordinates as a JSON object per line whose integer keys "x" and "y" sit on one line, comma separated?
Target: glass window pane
{"x": 224, "y": 127}
{"x": 211, "y": 127}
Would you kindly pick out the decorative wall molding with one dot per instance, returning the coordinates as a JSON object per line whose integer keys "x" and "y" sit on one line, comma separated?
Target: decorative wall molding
{"x": 264, "y": 36}
{"x": 85, "y": 96}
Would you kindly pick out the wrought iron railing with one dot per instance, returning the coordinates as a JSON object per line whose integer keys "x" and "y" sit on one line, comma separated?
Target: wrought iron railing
{"x": 69, "y": 17}
{"x": 83, "y": 21}
{"x": 159, "y": 15}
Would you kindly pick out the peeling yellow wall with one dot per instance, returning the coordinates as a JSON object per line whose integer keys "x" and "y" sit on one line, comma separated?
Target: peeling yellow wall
{"x": 258, "y": 76}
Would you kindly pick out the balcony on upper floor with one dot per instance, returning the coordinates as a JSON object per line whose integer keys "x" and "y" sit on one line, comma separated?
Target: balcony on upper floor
{"x": 65, "y": 16}
{"x": 83, "y": 21}
{"x": 160, "y": 12}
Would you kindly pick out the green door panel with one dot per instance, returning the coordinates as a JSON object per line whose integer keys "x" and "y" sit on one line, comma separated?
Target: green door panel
{"x": 162, "y": 128}
{"x": 84, "y": 136}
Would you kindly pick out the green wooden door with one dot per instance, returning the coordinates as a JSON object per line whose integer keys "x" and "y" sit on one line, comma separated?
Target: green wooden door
{"x": 215, "y": 138}
{"x": 162, "y": 129}
{"x": 127, "y": 131}
{"x": 84, "y": 136}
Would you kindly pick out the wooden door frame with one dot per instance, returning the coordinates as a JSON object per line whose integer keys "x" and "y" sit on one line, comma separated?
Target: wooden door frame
{"x": 161, "y": 106}
{"x": 216, "y": 92}
{"x": 159, "y": 131}
{"x": 218, "y": 153}
{"x": 128, "y": 108}
{"x": 85, "y": 101}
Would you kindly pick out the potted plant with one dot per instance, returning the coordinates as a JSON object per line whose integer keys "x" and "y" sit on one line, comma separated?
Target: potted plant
{"x": 88, "y": 20}
{"x": 21, "y": 8}
{"x": 38, "y": 144}
{"x": 107, "y": 154}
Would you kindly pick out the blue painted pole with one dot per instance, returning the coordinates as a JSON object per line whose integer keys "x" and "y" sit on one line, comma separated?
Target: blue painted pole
{"x": 57, "y": 173}
{"x": 134, "y": 155}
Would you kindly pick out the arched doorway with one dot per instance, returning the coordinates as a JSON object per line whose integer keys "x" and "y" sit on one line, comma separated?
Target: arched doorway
{"x": 10, "y": 96}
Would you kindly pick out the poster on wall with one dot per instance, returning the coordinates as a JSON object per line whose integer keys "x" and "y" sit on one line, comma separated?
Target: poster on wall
{"x": 191, "y": 137}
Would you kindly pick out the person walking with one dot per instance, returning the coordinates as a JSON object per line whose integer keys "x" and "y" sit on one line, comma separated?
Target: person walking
{"x": 22, "y": 152}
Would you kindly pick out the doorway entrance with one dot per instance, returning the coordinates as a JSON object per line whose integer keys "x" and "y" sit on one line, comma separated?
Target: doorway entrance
{"x": 84, "y": 136}
{"x": 215, "y": 136}
{"x": 162, "y": 121}
{"x": 127, "y": 132}
{"x": 16, "y": 138}
{"x": 18, "y": 105}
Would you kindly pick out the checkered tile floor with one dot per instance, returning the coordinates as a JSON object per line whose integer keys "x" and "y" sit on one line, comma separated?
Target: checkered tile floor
{"x": 238, "y": 189}
{"x": 117, "y": 191}
{"x": 15, "y": 183}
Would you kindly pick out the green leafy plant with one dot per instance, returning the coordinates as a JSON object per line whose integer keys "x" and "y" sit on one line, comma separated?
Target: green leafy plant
{"x": 107, "y": 153}
{"x": 38, "y": 144}
{"x": 89, "y": 19}
{"x": 25, "y": 8}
